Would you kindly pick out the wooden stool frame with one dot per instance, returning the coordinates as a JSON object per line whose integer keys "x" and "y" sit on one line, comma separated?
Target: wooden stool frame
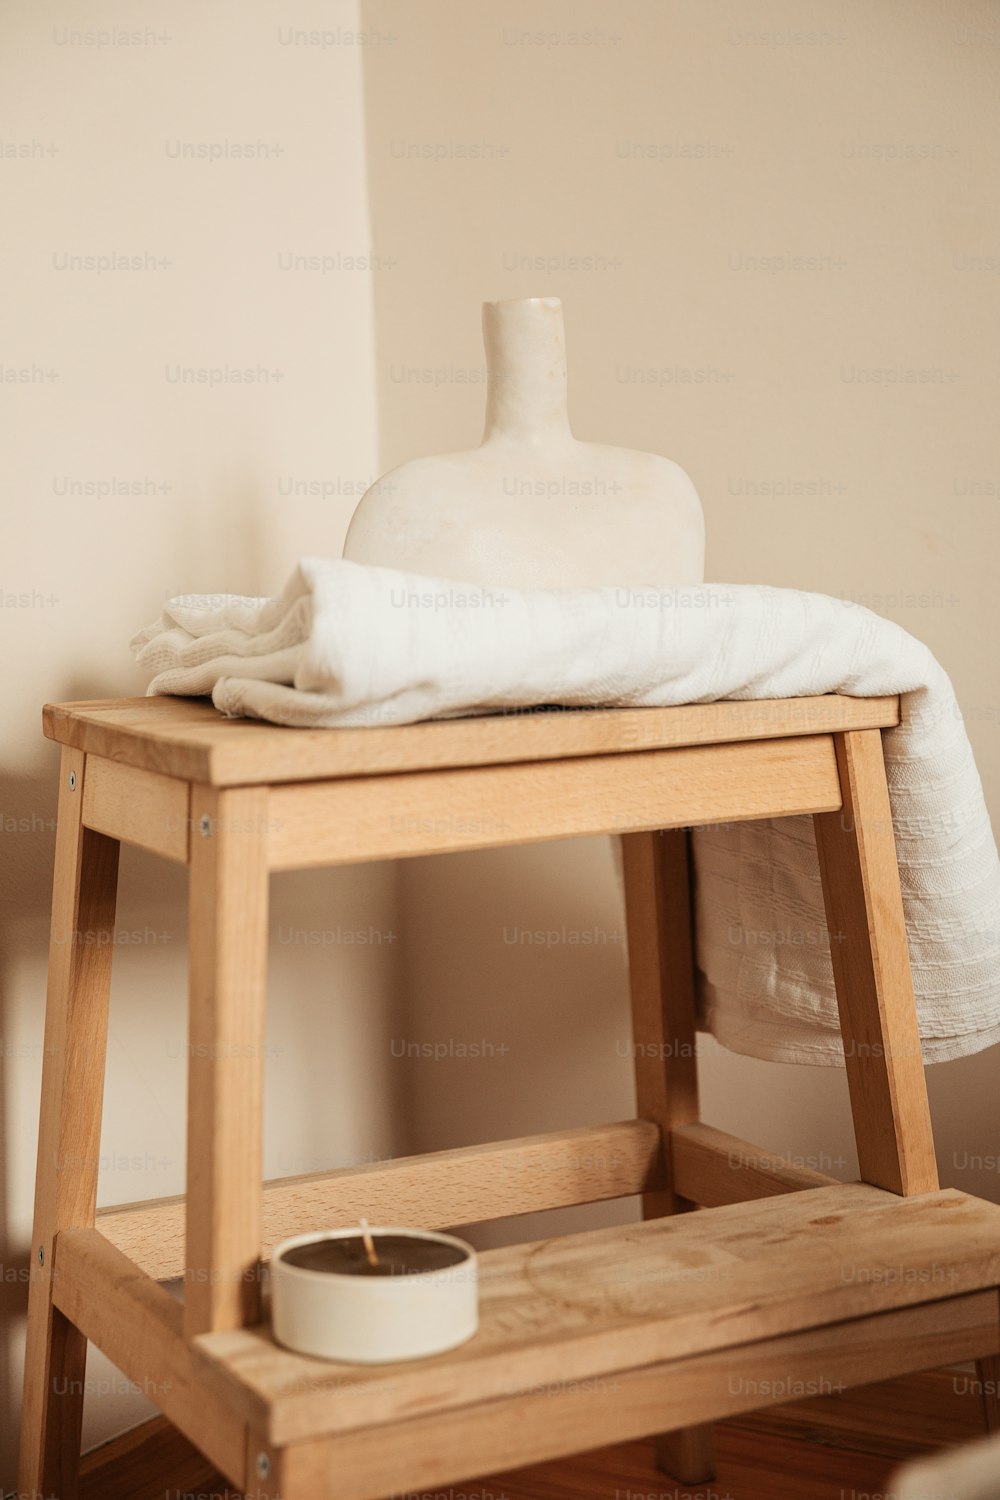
{"x": 604, "y": 1336}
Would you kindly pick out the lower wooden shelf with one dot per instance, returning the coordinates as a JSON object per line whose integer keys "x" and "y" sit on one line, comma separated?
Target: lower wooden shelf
{"x": 584, "y": 1340}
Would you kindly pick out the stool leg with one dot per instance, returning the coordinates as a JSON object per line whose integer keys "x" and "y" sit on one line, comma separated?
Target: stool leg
{"x": 76, "y": 1024}
{"x": 228, "y": 983}
{"x": 661, "y": 982}
{"x": 871, "y": 968}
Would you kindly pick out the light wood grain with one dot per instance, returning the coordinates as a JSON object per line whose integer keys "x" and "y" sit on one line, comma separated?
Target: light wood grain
{"x": 824, "y": 1447}
{"x": 138, "y": 807}
{"x": 589, "y": 1306}
{"x": 871, "y": 967}
{"x": 713, "y": 1168}
{"x": 226, "y": 1045}
{"x": 438, "y": 1450}
{"x": 138, "y": 1325}
{"x": 661, "y": 986}
{"x": 190, "y": 739}
{"x": 439, "y": 812}
{"x": 433, "y": 1191}
{"x": 76, "y": 1022}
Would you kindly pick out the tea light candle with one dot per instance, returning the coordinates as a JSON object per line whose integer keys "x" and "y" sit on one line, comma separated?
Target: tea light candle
{"x": 372, "y": 1296}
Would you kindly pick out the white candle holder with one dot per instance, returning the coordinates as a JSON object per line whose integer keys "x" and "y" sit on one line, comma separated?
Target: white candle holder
{"x": 374, "y": 1319}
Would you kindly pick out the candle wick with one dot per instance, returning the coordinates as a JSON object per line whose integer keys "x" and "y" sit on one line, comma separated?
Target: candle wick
{"x": 366, "y": 1235}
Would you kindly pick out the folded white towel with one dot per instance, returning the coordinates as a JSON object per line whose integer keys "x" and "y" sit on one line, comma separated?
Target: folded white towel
{"x": 347, "y": 645}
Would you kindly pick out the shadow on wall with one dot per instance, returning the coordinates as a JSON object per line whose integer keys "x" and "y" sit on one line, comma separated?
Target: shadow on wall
{"x": 685, "y": 334}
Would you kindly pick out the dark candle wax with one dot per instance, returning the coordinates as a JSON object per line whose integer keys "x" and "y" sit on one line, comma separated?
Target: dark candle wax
{"x": 398, "y": 1255}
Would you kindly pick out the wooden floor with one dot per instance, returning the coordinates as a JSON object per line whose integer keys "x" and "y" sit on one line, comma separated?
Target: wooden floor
{"x": 824, "y": 1448}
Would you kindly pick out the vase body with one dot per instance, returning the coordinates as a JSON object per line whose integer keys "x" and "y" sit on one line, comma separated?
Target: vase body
{"x": 532, "y": 507}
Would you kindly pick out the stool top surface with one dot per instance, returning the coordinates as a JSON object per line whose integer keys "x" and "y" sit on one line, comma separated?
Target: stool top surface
{"x": 188, "y": 737}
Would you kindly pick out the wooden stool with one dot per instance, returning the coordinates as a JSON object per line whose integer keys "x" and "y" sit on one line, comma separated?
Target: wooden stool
{"x": 662, "y": 1326}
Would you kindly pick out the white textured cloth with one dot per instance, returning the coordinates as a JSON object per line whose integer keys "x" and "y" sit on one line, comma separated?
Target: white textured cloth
{"x": 352, "y": 645}
{"x": 971, "y": 1472}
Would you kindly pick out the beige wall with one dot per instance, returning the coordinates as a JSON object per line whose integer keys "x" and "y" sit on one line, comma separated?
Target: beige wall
{"x": 217, "y": 508}
{"x": 650, "y": 179}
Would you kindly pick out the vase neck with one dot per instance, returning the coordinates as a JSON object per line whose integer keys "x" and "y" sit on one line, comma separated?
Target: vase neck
{"x": 526, "y": 370}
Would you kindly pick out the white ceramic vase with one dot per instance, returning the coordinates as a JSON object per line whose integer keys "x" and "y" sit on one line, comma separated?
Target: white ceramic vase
{"x": 532, "y": 507}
